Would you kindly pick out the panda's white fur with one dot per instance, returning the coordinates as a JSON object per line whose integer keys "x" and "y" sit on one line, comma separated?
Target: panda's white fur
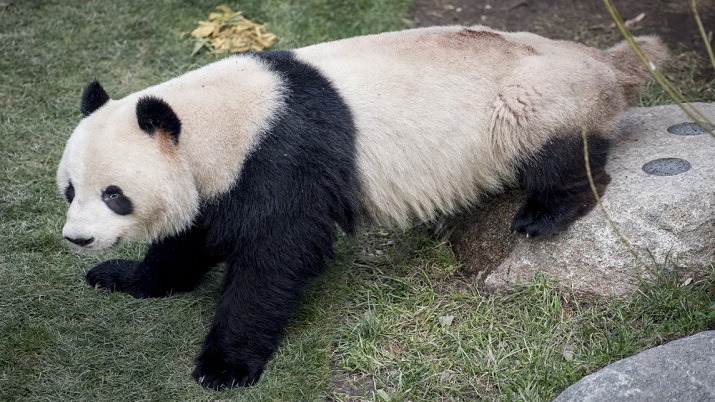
{"x": 253, "y": 159}
{"x": 109, "y": 148}
{"x": 96, "y": 157}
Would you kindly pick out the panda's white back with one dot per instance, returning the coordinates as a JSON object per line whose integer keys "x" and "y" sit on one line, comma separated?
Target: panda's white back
{"x": 433, "y": 109}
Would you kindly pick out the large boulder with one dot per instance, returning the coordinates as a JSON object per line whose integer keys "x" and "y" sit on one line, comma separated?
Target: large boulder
{"x": 661, "y": 199}
{"x": 681, "y": 370}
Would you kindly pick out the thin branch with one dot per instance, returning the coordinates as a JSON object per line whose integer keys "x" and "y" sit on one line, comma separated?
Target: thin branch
{"x": 674, "y": 94}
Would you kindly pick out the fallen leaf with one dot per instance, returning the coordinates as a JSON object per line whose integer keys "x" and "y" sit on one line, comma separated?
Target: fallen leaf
{"x": 230, "y": 32}
{"x": 445, "y": 320}
{"x": 205, "y": 29}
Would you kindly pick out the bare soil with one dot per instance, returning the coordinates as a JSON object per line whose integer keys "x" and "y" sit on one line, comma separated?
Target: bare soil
{"x": 589, "y": 22}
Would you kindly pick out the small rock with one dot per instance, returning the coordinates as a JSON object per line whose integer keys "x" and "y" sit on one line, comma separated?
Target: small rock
{"x": 568, "y": 351}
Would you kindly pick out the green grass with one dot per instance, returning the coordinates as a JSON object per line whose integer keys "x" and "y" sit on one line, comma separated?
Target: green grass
{"x": 395, "y": 321}
{"x": 690, "y": 73}
{"x": 422, "y": 332}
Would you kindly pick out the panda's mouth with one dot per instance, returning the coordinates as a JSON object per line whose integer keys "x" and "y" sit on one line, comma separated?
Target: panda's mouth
{"x": 98, "y": 247}
{"x": 116, "y": 242}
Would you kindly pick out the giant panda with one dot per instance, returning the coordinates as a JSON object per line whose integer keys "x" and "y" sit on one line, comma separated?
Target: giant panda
{"x": 258, "y": 160}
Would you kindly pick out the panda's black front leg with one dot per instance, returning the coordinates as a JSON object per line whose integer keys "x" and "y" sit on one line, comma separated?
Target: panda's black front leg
{"x": 174, "y": 264}
{"x": 263, "y": 289}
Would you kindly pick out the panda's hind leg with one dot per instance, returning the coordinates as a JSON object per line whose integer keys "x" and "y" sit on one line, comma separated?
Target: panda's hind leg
{"x": 556, "y": 183}
{"x": 538, "y": 118}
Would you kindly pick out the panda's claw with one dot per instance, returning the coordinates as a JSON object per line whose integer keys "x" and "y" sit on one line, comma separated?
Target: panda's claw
{"x": 112, "y": 275}
{"x": 536, "y": 223}
{"x": 218, "y": 374}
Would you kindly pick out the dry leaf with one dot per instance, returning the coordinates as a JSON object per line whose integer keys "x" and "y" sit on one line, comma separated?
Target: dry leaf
{"x": 230, "y": 32}
{"x": 445, "y": 320}
{"x": 205, "y": 29}
{"x": 568, "y": 351}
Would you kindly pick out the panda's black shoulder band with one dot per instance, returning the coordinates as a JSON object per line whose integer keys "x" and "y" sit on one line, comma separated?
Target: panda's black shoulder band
{"x": 303, "y": 173}
{"x": 277, "y": 224}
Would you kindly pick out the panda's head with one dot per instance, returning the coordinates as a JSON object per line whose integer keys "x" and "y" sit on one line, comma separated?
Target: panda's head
{"x": 123, "y": 174}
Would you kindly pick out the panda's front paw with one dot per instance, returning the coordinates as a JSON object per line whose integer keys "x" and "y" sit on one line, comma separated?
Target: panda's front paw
{"x": 116, "y": 276}
{"x": 213, "y": 372}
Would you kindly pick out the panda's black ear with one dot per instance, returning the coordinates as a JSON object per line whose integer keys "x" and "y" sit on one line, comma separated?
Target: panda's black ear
{"x": 93, "y": 97}
{"x": 154, "y": 115}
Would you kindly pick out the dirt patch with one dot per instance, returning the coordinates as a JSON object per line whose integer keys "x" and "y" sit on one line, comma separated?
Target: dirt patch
{"x": 584, "y": 21}
{"x": 475, "y": 241}
{"x": 589, "y": 22}
{"x": 347, "y": 386}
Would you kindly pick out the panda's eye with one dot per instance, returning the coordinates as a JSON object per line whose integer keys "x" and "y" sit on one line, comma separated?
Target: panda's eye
{"x": 112, "y": 191}
{"x": 117, "y": 201}
{"x": 69, "y": 193}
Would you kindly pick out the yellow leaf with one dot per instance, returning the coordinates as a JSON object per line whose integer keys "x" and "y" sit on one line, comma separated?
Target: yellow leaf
{"x": 202, "y": 31}
{"x": 226, "y": 9}
{"x": 229, "y": 31}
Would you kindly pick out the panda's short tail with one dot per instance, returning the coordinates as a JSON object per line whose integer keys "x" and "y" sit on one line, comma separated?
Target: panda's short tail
{"x": 632, "y": 69}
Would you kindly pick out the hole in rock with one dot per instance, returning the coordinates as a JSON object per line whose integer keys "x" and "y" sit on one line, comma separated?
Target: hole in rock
{"x": 666, "y": 166}
{"x": 689, "y": 128}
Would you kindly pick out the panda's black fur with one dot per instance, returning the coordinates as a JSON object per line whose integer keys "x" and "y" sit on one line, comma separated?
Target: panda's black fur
{"x": 93, "y": 97}
{"x": 304, "y": 177}
{"x": 556, "y": 184}
{"x": 274, "y": 229}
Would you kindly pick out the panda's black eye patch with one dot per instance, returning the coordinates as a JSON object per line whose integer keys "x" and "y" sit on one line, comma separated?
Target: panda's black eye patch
{"x": 117, "y": 201}
{"x": 69, "y": 193}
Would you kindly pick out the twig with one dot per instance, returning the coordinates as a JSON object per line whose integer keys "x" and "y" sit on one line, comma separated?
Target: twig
{"x": 682, "y": 103}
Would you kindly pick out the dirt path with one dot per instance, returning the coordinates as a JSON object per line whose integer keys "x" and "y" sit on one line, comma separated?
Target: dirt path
{"x": 588, "y": 21}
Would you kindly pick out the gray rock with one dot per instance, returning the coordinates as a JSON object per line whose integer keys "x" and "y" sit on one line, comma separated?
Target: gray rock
{"x": 682, "y": 370}
{"x": 668, "y": 214}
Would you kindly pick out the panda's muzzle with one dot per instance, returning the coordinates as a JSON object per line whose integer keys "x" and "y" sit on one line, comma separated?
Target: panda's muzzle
{"x": 80, "y": 241}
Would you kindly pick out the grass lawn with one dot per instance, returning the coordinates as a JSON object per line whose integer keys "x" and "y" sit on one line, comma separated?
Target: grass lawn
{"x": 391, "y": 320}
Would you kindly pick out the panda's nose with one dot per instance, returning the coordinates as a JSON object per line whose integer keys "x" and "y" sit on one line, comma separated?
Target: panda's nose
{"x": 80, "y": 241}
